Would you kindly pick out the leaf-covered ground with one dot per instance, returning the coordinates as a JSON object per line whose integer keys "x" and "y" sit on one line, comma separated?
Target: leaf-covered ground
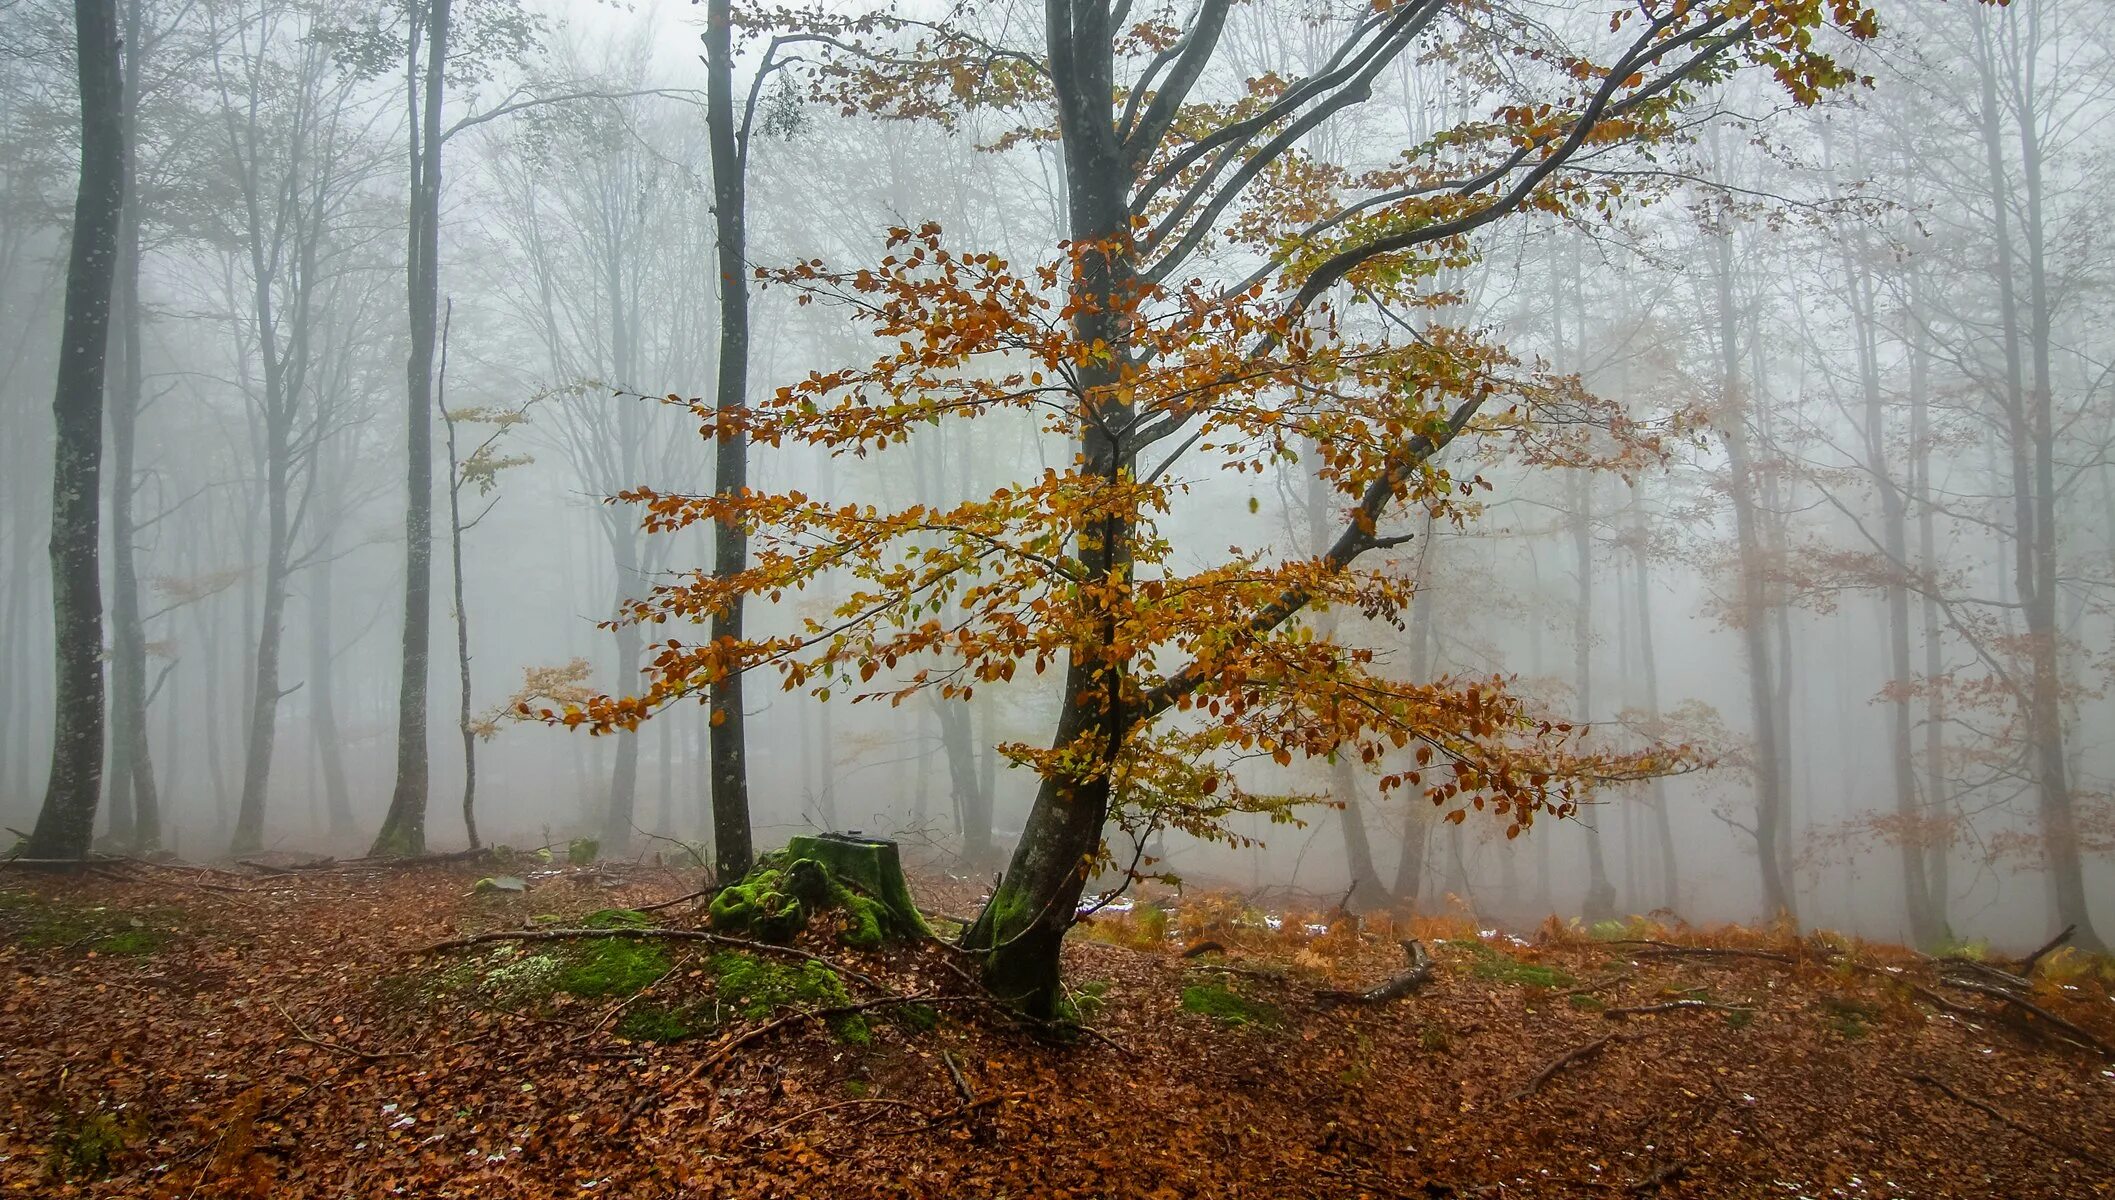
{"x": 179, "y": 1032}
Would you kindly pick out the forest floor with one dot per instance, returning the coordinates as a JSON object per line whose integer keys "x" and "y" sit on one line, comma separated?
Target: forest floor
{"x": 184, "y": 1032}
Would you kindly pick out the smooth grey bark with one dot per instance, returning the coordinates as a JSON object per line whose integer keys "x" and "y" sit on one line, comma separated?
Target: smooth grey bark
{"x": 732, "y": 848}
{"x": 135, "y": 809}
{"x": 66, "y": 822}
{"x": 1599, "y": 903}
{"x": 404, "y": 827}
{"x": 1649, "y": 668}
{"x": 1754, "y": 606}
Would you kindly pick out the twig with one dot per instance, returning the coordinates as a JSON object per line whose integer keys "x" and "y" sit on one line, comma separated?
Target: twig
{"x": 1203, "y": 948}
{"x": 650, "y": 933}
{"x": 1589, "y": 988}
{"x": 954, "y": 1071}
{"x": 2076, "y": 1152}
{"x": 1617, "y": 1014}
{"x": 340, "y": 1047}
{"x": 699, "y": 894}
{"x": 1657, "y": 1177}
{"x": 1573, "y": 1055}
{"x": 796, "y": 1118}
{"x": 1670, "y": 950}
{"x": 821, "y": 1014}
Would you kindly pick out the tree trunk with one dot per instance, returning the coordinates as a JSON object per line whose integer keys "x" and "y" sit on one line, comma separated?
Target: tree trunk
{"x": 1599, "y": 903}
{"x": 66, "y": 823}
{"x": 732, "y": 847}
{"x": 1754, "y": 602}
{"x": 135, "y": 816}
{"x": 1663, "y": 826}
{"x": 404, "y": 828}
{"x": 1022, "y": 927}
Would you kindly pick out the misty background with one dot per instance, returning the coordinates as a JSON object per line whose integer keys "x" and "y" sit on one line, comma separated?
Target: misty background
{"x": 1851, "y": 320}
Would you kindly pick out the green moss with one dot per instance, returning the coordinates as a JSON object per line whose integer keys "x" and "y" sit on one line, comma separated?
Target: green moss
{"x": 922, "y": 1018}
{"x": 1740, "y": 1018}
{"x": 612, "y": 967}
{"x": 616, "y": 918}
{"x": 1848, "y": 1018}
{"x": 1587, "y": 1003}
{"x": 756, "y": 988}
{"x": 857, "y": 1089}
{"x": 1434, "y": 1037}
{"x": 652, "y": 1023}
{"x": 1227, "y": 1006}
{"x": 1503, "y": 968}
{"x": 582, "y": 851}
{"x": 763, "y": 905}
{"x": 33, "y": 921}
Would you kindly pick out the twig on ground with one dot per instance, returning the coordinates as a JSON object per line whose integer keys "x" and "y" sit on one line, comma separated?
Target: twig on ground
{"x": 1657, "y": 1177}
{"x": 340, "y": 1047}
{"x": 1574, "y": 1055}
{"x": 1617, "y": 1014}
{"x": 699, "y": 894}
{"x": 1203, "y": 948}
{"x": 861, "y": 1102}
{"x": 954, "y": 1072}
{"x": 1595, "y": 985}
{"x": 2077, "y": 1152}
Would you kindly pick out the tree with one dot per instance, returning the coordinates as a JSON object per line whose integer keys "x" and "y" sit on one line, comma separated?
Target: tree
{"x": 404, "y": 827}
{"x": 1120, "y": 342}
{"x": 66, "y": 823}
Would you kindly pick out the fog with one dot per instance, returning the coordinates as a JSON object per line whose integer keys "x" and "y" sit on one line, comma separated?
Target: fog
{"x": 1850, "y": 417}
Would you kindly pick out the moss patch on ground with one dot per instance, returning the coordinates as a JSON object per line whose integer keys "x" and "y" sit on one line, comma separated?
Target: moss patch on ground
{"x": 1229, "y": 1007}
{"x": 1488, "y": 963}
{"x": 34, "y": 921}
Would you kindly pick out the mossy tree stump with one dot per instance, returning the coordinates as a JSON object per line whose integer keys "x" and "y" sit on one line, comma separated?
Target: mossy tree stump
{"x": 862, "y": 876}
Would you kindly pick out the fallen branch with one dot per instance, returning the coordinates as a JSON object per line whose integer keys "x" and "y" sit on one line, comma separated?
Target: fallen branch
{"x": 647, "y": 933}
{"x": 2077, "y": 1152}
{"x": 1617, "y": 1014}
{"x": 1656, "y": 949}
{"x": 1574, "y": 1055}
{"x": 2073, "y": 1031}
{"x": 796, "y": 1118}
{"x": 2028, "y": 963}
{"x": 1419, "y": 974}
{"x": 1202, "y": 948}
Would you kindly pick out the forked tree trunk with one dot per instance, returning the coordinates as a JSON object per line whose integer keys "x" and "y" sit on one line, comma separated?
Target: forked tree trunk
{"x": 66, "y": 822}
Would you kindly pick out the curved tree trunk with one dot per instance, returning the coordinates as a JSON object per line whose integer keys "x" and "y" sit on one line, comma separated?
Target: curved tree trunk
{"x": 66, "y": 822}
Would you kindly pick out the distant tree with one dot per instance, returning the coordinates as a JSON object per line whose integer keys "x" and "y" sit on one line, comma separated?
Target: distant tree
{"x": 66, "y": 823}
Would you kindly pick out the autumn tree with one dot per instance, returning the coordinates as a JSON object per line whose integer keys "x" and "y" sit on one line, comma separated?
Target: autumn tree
{"x": 1221, "y": 296}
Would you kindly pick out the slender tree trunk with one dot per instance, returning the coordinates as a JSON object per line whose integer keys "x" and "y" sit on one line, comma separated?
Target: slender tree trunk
{"x": 322, "y": 699}
{"x": 66, "y": 823}
{"x": 1418, "y": 814}
{"x": 463, "y": 726}
{"x": 135, "y": 817}
{"x": 1600, "y": 901}
{"x": 733, "y": 850}
{"x": 404, "y": 828}
{"x": 1663, "y": 826}
{"x": 1754, "y": 603}
{"x": 265, "y": 692}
